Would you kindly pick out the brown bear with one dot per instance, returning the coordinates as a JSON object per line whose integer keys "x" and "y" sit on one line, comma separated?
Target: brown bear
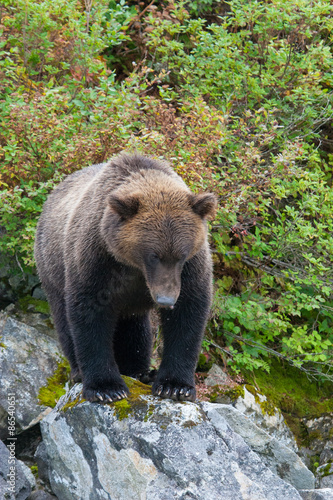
{"x": 115, "y": 240}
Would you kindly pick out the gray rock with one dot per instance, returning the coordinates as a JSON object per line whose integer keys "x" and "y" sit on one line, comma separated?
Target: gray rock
{"x": 327, "y": 453}
{"x": 39, "y": 293}
{"x": 281, "y": 460}
{"x": 324, "y": 476}
{"x": 17, "y": 485}
{"x": 216, "y": 376}
{"x": 27, "y": 359}
{"x": 41, "y": 495}
{"x": 14, "y": 283}
{"x": 272, "y": 422}
{"x": 153, "y": 449}
{"x": 41, "y": 458}
{"x": 323, "y": 494}
{"x": 42, "y": 322}
{"x": 28, "y": 474}
{"x": 319, "y": 439}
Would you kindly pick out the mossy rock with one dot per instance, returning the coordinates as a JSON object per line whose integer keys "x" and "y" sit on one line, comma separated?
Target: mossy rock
{"x": 290, "y": 390}
{"x": 203, "y": 365}
{"x": 30, "y": 304}
{"x": 125, "y": 406}
{"x": 50, "y": 394}
{"x": 72, "y": 403}
{"x": 139, "y": 405}
{"x": 230, "y": 394}
{"x": 34, "y": 470}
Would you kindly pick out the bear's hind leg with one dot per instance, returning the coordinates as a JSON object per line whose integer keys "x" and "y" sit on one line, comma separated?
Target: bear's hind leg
{"x": 133, "y": 345}
{"x": 58, "y": 309}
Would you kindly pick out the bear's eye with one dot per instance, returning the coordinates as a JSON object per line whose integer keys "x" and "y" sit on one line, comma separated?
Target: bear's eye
{"x": 154, "y": 258}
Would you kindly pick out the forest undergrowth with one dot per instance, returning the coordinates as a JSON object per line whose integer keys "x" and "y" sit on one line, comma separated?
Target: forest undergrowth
{"x": 237, "y": 96}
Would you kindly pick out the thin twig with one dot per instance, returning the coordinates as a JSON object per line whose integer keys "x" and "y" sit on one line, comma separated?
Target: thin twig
{"x": 141, "y": 14}
{"x": 88, "y": 5}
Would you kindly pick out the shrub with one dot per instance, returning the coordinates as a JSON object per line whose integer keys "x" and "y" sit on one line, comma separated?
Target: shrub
{"x": 241, "y": 105}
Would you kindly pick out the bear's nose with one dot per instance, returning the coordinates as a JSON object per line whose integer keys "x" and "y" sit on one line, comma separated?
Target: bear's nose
{"x": 164, "y": 301}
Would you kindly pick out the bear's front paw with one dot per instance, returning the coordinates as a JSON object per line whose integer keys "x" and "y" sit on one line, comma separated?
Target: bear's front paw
{"x": 177, "y": 392}
{"x": 105, "y": 394}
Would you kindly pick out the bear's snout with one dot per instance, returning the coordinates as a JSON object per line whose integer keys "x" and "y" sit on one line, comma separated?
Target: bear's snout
{"x": 164, "y": 282}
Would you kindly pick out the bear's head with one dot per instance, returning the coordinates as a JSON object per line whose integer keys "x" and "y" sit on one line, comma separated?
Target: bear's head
{"x": 155, "y": 223}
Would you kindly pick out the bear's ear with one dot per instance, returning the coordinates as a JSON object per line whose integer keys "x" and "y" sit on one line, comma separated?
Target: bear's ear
{"x": 125, "y": 207}
{"x": 204, "y": 204}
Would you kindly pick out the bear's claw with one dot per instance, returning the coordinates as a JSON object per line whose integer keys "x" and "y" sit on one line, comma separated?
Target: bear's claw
{"x": 104, "y": 396}
{"x": 177, "y": 393}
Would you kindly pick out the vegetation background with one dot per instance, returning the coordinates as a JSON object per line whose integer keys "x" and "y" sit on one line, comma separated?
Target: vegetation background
{"x": 238, "y": 97}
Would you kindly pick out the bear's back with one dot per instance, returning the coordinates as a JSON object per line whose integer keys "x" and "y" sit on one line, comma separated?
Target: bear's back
{"x": 105, "y": 176}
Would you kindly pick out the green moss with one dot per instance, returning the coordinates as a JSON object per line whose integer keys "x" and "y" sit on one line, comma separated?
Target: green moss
{"x": 71, "y": 404}
{"x": 235, "y": 393}
{"x": 149, "y": 413}
{"x": 316, "y": 434}
{"x": 126, "y": 406}
{"x": 253, "y": 391}
{"x": 123, "y": 408}
{"x": 232, "y": 394}
{"x": 314, "y": 463}
{"x": 50, "y": 394}
{"x": 203, "y": 365}
{"x": 136, "y": 388}
{"x": 213, "y": 396}
{"x": 31, "y": 304}
{"x": 290, "y": 390}
{"x": 268, "y": 408}
{"x": 34, "y": 470}
{"x": 327, "y": 470}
